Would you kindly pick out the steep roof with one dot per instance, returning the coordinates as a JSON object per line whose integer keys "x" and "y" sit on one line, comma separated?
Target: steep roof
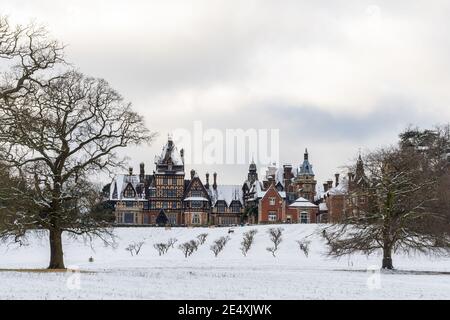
{"x": 228, "y": 193}
{"x": 171, "y": 154}
{"x": 120, "y": 182}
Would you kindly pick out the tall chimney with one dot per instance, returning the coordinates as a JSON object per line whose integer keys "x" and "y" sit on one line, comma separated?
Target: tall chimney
{"x": 325, "y": 187}
{"x": 142, "y": 172}
{"x": 330, "y": 184}
{"x": 336, "y": 175}
{"x": 215, "y": 180}
{"x": 182, "y": 155}
{"x": 130, "y": 171}
{"x": 207, "y": 181}
{"x": 192, "y": 174}
{"x": 350, "y": 177}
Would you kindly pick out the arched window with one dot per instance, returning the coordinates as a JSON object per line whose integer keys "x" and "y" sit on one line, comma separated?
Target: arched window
{"x": 195, "y": 218}
{"x": 129, "y": 192}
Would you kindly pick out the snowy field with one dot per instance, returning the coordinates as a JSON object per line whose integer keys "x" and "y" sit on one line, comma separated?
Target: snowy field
{"x": 115, "y": 274}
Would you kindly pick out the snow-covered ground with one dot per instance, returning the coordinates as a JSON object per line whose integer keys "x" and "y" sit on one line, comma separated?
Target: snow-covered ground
{"x": 115, "y": 274}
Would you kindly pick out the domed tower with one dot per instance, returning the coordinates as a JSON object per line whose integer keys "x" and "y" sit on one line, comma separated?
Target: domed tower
{"x": 304, "y": 182}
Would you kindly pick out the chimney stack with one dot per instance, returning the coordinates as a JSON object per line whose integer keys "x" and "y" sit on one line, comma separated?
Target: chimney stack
{"x": 130, "y": 171}
{"x": 192, "y": 174}
{"x": 325, "y": 187}
{"x": 142, "y": 172}
{"x": 207, "y": 181}
{"x": 330, "y": 184}
{"x": 215, "y": 180}
{"x": 182, "y": 155}
{"x": 350, "y": 177}
{"x": 336, "y": 175}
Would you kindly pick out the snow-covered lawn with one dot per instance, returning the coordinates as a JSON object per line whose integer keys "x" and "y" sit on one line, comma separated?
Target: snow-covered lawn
{"x": 115, "y": 274}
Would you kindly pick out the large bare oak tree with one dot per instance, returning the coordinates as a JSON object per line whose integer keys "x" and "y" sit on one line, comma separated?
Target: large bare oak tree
{"x": 406, "y": 208}
{"x": 57, "y": 136}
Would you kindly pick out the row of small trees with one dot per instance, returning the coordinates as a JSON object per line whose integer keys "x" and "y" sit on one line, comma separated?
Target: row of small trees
{"x": 189, "y": 247}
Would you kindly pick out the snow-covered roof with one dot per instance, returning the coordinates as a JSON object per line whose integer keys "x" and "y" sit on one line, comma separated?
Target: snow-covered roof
{"x": 278, "y": 173}
{"x": 341, "y": 189}
{"x": 303, "y": 203}
{"x": 305, "y": 169}
{"x": 195, "y": 199}
{"x": 323, "y": 206}
{"x": 120, "y": 182}
{"x": 228, "y": 193}
{"x": 169, "y": 151}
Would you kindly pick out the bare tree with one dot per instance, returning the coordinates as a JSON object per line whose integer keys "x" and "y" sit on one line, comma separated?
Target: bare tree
{"x": 57, "y": 136}
{"x": 202, "y": 237}
{"x": 135, "y": 248}
{"x": 399, "y": 211}
{"x": 275, "y": 235}
{"x": 171, "y": 242}
{"x": 162, "y": 248}
{"x": 219, "y": 245}
{"x": 186, "y": 248}
{"x": 26, "y": 51}
{"x": 303, "y": 245}
{"x": 247, "y": 242}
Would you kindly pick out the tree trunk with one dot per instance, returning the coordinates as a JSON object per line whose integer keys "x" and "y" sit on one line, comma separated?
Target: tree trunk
{"x": 56, "y": 250}
{"x": 387, "y": 258}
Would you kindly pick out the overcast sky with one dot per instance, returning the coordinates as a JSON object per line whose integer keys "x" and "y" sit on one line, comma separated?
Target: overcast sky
{"x": 333, "y": 76}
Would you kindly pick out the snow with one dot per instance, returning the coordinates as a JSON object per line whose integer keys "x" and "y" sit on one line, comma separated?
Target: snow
{"x": 195, "y": 199}
{"x": 115, "y": 274}
{"x": 303, "y": 203}
{"x": 228, "y": 193}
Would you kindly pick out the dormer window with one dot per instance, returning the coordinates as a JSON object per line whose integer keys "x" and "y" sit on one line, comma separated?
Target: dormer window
{"x": 129, "y": 192}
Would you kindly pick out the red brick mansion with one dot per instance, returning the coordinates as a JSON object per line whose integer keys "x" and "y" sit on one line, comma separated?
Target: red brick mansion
{"x": 169, "y": 196}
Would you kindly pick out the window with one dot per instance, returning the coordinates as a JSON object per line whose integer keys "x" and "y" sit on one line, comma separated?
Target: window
{"x": 165, "y": 181}
{"x": 272, "y": 216}
{"x": 152, "y": 205}
{"x": 129, "y": 204}
{"x": 221, "y": 207}
{"x": 164, "y": 193}
{"x": 129, "y": 192}
{"x": 174, "y": 205}
{"x": 172, "y": 218}
{"x": 152, "y": 193}
{"x": 128, "y": 217}
{"x": 165, "y": 204}
{"x": 174, "y": 181}
{"x": 235, "y": 208}
{"x": 272, "y": 201}
{"x": 196, "y": 193}
{"x": 304, "y": 217}
{"x": 195, "y": 218}
{"x": 196, "y": 204}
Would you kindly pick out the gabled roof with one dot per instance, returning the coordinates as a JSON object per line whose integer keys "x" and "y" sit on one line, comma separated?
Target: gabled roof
{"x": 119, "y": 184}
{"x": 302, "y": 203}
{"x": 188, "y": 186}
{"x": 227, "y": 193}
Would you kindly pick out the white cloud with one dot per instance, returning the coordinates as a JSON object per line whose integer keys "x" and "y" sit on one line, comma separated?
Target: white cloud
{"x": 180, "y": 61}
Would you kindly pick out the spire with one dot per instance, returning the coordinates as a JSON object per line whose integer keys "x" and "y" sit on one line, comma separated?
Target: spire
{"x": 306, "y": 154}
